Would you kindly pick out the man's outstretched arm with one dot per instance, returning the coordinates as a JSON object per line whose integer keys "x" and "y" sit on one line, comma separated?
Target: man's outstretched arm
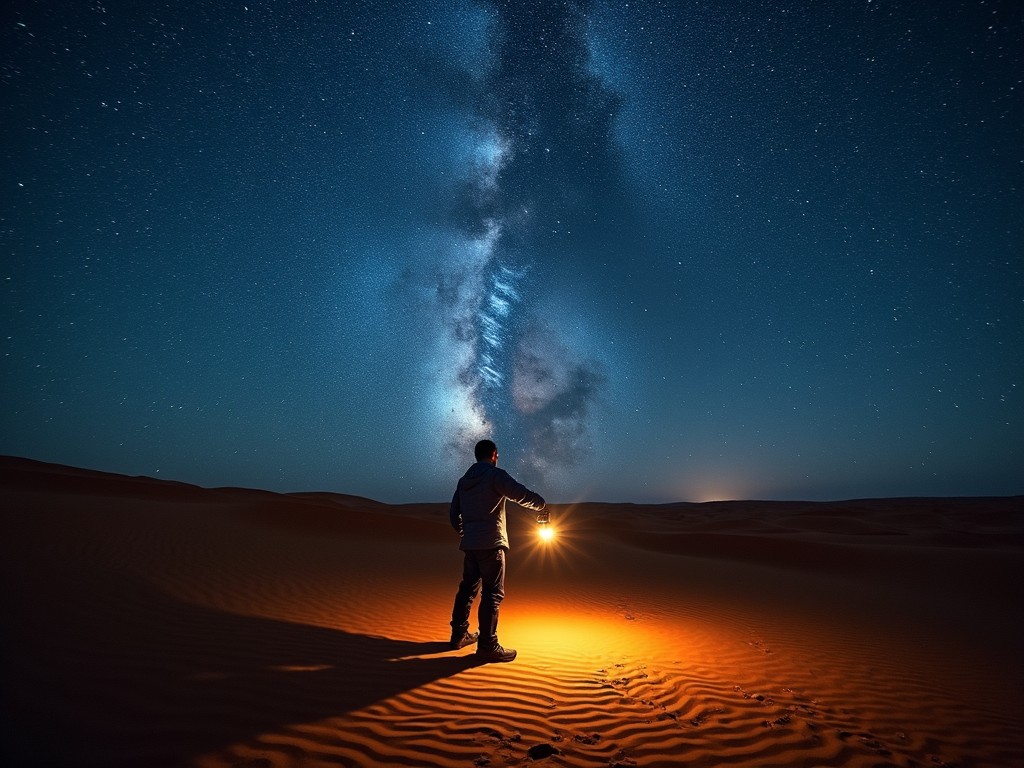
{"x": 519, "y": 493}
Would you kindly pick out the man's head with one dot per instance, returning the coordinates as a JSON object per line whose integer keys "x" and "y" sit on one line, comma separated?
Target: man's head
{"x": 486, "y": 450}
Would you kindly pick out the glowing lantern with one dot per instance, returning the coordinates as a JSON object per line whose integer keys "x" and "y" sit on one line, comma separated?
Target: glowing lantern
{"x": 545, "y": 531}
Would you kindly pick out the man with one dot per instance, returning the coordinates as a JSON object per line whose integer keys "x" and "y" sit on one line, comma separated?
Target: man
{"x": 477, "y": 513}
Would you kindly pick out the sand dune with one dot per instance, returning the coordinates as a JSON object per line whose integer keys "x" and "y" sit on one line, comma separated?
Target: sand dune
{"x": 149, "y": 623}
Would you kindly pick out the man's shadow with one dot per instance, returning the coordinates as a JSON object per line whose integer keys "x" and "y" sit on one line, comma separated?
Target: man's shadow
{"x": 169, "y": 681}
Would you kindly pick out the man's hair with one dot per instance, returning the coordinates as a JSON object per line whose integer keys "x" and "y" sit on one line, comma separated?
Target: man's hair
{"x": 484, "y": 450}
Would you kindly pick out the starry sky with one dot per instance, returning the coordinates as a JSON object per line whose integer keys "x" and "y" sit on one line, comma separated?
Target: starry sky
{"x": 657, "y": 250}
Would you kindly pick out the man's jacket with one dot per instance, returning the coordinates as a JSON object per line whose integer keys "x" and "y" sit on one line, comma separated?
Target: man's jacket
{"x": 478, "y": 506}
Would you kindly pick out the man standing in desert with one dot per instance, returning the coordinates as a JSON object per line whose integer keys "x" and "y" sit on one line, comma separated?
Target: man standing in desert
{"x": 477, "y": 513}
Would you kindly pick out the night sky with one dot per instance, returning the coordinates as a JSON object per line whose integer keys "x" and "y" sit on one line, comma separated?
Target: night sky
{"x": 657, "y": 250}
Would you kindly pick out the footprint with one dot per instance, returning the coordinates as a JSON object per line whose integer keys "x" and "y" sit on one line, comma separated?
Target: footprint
{"x": 540, "y": 751}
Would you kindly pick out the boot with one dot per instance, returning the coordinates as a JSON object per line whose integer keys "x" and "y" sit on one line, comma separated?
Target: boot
{"x": 461, "y": 641}
{"x": 495, "y": 653}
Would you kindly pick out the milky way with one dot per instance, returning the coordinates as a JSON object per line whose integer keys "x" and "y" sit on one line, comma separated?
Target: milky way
{"x": 543, "y": 147}
{"x": 657, "y": 250}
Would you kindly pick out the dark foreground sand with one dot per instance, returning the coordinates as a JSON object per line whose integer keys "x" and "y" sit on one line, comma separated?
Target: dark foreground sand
{"x": 148, "y": 623}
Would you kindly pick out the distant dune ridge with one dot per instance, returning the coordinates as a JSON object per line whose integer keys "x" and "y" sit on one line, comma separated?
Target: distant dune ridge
{"x": 153, "y": 623}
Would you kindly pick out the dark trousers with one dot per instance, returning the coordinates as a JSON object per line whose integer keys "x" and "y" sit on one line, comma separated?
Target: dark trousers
{"x": 482, "y": 569}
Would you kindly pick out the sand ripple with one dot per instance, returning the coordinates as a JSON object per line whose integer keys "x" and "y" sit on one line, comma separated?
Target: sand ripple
{"x": 227, "y": 628}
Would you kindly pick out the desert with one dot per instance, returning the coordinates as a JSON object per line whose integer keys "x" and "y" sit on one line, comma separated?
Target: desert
{"x": 157, "y": 623}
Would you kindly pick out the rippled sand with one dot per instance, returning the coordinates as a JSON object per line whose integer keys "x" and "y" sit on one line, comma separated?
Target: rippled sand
{"x": 157, "y": 624}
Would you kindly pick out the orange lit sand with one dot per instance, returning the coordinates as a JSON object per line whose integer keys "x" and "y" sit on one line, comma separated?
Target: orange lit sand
{"x": 157, "y": 624}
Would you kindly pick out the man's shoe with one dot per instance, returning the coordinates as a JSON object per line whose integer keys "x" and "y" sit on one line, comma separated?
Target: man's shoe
{"x": 467, "y": 638}
{"x": 497, "y": 653}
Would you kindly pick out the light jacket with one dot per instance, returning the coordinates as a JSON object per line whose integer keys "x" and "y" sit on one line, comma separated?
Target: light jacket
{"x": 477, "y": 512}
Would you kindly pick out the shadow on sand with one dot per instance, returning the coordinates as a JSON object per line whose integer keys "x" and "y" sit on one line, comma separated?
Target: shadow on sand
{"x": 167, "y": 681}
